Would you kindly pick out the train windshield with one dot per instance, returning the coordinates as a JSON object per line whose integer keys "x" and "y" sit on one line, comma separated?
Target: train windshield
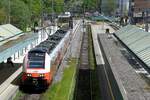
{"x": 36, "y": 60}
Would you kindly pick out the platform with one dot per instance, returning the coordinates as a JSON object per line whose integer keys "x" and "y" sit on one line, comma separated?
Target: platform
{"x": 100, "y": 28}
{"x": 130, "y": 83}
{"x": 8, "y": 73}
{"x": 119, "y": 70}
{"x": 98, "y": 54}
{"x": 106, "y": 91}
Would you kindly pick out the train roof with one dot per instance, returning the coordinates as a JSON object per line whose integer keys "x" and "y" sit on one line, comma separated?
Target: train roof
{"x": 51, "y": 42}
{"x": 37, "y": 50}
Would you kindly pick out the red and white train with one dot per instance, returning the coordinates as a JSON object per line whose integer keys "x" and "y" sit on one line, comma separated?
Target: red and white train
{"x": 41, "y": 62}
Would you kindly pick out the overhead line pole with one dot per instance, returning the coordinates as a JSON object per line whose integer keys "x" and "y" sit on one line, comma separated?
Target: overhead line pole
{"x": 146, "y": 20}
{"x": 42, "y": 31}
{"x": 121, "y": 7}
{"x": 52, "y": 11}
{"x": 9, "y": 11}
{"x": 41, "y": 12}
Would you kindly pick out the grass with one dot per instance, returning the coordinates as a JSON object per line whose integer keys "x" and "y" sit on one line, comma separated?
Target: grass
{"x": 63, "y": 90}
{"x": 94, "y": 78}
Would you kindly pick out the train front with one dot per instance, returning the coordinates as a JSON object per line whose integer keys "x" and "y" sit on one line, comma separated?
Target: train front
{"x": 36, "y": 69}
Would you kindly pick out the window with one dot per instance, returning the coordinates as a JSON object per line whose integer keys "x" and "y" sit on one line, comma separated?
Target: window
{"x": 36, "y": 60}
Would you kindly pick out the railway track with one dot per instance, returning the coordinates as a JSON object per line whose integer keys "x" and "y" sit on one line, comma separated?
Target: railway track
{"x": 83, "y": 82}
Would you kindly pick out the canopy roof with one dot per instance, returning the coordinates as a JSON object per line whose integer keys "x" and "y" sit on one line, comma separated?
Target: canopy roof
{"x": 137, "y": 40}
{"x": 7, "y": 31}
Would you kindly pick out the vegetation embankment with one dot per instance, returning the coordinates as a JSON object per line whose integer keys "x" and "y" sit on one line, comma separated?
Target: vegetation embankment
{"x": 63, "y": 90}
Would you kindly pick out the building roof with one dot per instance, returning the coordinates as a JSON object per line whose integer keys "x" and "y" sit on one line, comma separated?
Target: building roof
{"x": 137, "y": 40}
{"x": 12, "y": 40}
{"x": 7, "y": 31}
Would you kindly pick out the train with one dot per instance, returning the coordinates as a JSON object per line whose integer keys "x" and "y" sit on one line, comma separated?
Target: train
{"x": 41, "y": 63}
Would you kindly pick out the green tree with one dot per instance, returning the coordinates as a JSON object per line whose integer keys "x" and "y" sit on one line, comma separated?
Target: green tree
{"x": 24, "y": 13}
{"x": 92, "y": 4}
{"x": 35, "y": 9}
{"x": 20, "y": 14}
{"x": 59, "y": 6}
{"x": 4, "y": 11}
{"x": 3, "y": 16}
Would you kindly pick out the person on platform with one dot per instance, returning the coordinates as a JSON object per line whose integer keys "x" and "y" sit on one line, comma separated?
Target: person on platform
{"x": 9, "y": 61}
{"x": 108, "y": 33}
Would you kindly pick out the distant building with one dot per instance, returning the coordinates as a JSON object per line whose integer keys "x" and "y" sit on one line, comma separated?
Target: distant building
{"x": 123, "y": 7}
{"x": 139, "y": 10}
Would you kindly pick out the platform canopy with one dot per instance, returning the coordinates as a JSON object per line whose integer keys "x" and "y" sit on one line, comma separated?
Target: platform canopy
{"x": 137, "y": 40}
{"x": 8, "y": 31}
{"x": 11, "y": 47}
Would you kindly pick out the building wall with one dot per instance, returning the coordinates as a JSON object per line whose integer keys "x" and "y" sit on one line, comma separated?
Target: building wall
{"x": 139, "y": 10}
{"x": 141, "y": 5}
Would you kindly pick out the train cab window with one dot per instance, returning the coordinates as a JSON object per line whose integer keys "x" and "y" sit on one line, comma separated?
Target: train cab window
{"x": 36, "y": 60}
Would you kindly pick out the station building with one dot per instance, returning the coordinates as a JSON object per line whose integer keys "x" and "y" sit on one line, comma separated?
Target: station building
{"x": 139, "y": 10}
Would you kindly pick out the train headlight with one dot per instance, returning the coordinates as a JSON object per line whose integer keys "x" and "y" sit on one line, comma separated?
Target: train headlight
{"x": 29, "y": 75}
{"x": 41, "y": 75}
